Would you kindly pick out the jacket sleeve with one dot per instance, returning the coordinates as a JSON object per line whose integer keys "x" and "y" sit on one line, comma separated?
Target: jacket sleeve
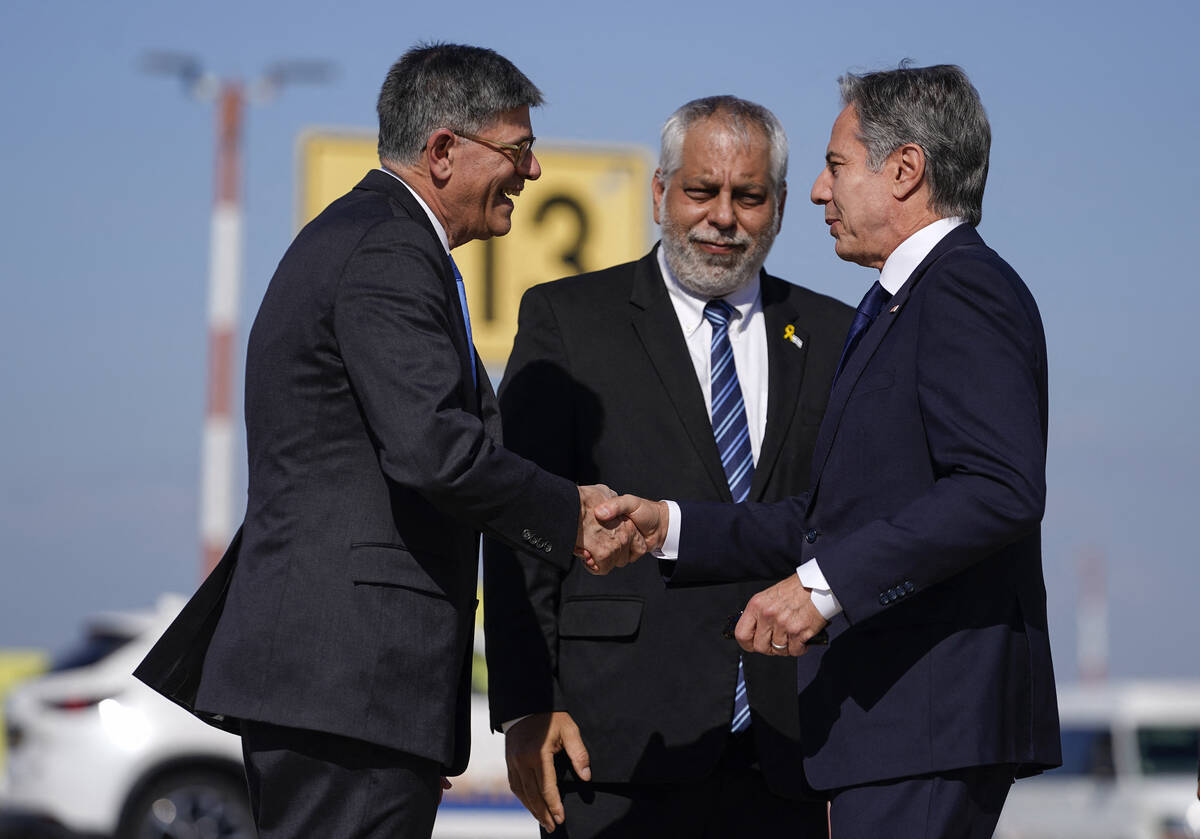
{"x": 393, "y": 321}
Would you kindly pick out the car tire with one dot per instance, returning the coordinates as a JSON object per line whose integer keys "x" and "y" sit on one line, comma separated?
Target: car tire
{"x": 201, "y": 803}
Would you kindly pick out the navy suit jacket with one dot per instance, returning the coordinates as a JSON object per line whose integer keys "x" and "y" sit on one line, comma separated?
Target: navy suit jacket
{"x": 924, "y": 513}
{"x": 600, "y": 388}
{"x": 347, "y": 604}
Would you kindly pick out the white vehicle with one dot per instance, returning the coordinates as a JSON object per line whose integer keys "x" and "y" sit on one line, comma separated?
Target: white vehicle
{"x": 1129, "y": 767}
{"x": 94, "y": 752}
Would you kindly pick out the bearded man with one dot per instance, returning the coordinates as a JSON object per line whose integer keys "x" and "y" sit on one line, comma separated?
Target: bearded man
{"x": 689, "y": 373}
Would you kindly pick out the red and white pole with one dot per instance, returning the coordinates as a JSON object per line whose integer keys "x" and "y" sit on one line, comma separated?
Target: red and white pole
{"x": 1092, "y": 617}
{"x": 224, "y": 284}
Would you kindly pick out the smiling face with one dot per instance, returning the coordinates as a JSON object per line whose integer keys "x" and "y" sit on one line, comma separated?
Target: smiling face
{"x": 859, "y": 205}
{"x": 719, "y": 211}
{"x": 479, "y": 202}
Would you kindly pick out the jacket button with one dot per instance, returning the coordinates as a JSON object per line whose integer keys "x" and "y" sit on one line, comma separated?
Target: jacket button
{"x": 883, "y": 599}
{"x": 909, "y": 587}
{"x": 546, "y": 547}
{"x": 811, "y": 536}
{"x": 525, "y": 534}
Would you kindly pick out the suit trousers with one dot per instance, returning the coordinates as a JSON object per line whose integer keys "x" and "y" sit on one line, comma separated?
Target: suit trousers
{"x": 305, "y": 784}
{"x": 962, "y": 804}
{"x": 732, "y": 801}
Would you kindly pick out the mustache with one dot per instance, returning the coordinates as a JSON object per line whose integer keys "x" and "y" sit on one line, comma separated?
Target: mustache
{"x": 739, "y": 240}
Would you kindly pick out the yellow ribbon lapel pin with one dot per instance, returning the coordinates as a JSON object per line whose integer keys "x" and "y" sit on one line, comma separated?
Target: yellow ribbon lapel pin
{"x": 789, "y": 334}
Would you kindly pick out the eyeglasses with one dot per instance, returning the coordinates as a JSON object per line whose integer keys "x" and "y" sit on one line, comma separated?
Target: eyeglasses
{"x": 518, "y": 153}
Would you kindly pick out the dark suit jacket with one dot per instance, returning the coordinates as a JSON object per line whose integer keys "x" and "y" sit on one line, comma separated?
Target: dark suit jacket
{"x": 928, "y": 488}
{"x": 374, "y": 463}
{"x": 600, "y": 388}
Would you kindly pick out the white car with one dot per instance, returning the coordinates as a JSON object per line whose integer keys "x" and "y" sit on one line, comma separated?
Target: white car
{"x": 1129, "y": 767}
{"x": 94, "y": 752}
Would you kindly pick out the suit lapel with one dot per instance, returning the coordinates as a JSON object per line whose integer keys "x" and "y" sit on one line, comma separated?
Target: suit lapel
{"x": 398, "y": 193}
{"x": 657, "y": 326}
{"x": 785, "y": 375}
{"x": 857, "y": 363}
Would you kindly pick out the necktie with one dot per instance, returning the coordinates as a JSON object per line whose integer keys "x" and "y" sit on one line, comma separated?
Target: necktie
{"x": 733, "y": 443}
{"x": 864, "y": 316}
{"x": 462, "y": 299}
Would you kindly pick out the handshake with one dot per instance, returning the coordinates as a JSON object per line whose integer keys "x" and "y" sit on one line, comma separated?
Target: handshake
{"x": 615, "y": 531}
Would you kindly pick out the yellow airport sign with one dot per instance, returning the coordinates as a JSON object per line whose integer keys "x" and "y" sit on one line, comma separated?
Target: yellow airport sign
{"x": 589, "y": 209}
{"x": 16, "y": 666}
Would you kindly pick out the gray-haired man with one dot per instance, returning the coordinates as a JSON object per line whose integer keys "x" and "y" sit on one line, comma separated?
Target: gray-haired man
{"x": 343, "y": 644}
{"x": 682, "y": 736}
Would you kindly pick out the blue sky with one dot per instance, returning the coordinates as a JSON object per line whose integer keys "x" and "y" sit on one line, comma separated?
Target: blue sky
{"x": 108, "y": 179}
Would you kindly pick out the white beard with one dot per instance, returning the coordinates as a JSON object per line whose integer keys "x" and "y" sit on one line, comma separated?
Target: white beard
{"x": 714, "y": 275}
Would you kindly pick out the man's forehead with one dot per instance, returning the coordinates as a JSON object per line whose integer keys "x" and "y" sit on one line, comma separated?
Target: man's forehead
{"x": 717, "y": 151}
{"x": 843, "y": 138}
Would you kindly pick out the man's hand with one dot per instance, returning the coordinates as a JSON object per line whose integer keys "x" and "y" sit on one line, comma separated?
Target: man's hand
{"x": 649, "y": 517}
{"x": 529, "y": 750}
{"x": 604, "y": 545}
{"x": 779, "y": 620}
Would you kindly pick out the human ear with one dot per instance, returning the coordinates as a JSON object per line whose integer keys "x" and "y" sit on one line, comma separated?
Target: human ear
{"x": 908, "y": 171}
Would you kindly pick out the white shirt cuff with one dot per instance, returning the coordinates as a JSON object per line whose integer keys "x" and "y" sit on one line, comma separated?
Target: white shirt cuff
{"x": 822, "y": 596}
{"x": 505, "y": 726}
{"x": 670, "y": 545}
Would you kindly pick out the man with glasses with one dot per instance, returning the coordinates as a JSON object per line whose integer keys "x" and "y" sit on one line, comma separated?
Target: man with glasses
{"x": 342, "y": 650}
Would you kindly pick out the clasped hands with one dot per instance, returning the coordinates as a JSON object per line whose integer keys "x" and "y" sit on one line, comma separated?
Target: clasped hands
{"x": 615, "y": 531}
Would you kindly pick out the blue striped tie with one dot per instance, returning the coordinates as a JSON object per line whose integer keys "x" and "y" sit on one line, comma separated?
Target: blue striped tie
{"x": 462, "y": 298}
{"x": 733, "y": 444}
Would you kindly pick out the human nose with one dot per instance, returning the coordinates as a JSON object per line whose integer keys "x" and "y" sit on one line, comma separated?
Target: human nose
{"x": 533, "y": 169}
{"x": 822, "y": 192}
{"x": 720, "y": 211}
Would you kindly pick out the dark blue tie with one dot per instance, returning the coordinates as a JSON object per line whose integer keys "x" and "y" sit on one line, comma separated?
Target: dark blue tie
{"x": 462, "y": 299}
{"x": 733, "y": 443}
{"x": 864, "y": 316}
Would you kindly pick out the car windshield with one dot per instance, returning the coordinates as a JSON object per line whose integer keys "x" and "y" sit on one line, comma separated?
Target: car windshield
{"x": 1168, "y": 750}
{"x": 88, "y": 650}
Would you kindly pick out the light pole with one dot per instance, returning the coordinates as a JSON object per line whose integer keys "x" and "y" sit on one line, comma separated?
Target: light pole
{"x": 224, "y": 271}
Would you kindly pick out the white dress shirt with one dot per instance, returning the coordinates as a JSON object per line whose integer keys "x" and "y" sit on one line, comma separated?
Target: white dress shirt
{"x": 895, "y": 272}
{"x": 747, "y": 335}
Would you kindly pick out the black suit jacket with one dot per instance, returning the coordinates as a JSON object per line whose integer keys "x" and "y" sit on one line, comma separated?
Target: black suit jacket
{"x": 928, "y": 489}
{"x": 348, "y": 606}
{"x": 600, "y": 388}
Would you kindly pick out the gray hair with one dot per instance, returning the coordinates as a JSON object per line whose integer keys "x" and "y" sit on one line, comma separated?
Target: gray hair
{"x": 740, "y": 116}
{"x": 451, "y": 86}
{"x": 938, "y": 109}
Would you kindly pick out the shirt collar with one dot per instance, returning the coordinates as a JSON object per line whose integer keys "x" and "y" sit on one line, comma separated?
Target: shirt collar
{"x": 437, "y": 225}
{"x": 690, "y": 306}
{"x": 909, "y": 253}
